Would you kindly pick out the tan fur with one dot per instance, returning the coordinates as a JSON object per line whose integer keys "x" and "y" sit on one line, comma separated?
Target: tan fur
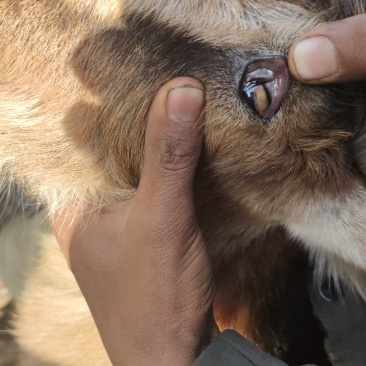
{"x": 76, "y": 81}
{"x": 64, "y": 335}
{"x": 235, "y": 25}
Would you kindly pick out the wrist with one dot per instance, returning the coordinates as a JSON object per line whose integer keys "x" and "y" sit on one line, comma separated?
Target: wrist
{"x": 130, "y": 344}
{"x": 154, "y": 354}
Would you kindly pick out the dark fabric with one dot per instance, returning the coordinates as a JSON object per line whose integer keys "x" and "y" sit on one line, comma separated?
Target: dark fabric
{"x": 343, "y": 315}
{"x": 231, "y": 349}
{"x": 344, "y": 319}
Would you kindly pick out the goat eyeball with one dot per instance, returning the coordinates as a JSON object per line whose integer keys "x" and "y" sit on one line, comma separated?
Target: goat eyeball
{"x": 264, "y": 85}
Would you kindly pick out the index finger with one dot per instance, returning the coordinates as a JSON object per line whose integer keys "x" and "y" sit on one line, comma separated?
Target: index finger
{"x": 329, "y": 53}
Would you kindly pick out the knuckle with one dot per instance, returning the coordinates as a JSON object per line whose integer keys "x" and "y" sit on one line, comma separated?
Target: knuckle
{"x": 175, "y": 153}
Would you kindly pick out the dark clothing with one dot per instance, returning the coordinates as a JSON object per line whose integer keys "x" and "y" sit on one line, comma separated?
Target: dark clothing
{"x": 231, "y": 349}
{"x": 343, "y": 315}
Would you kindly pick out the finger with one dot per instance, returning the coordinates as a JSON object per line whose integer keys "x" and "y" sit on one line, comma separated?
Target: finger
{"x": 334, "y": 52}
{"x": 173, "y": 140}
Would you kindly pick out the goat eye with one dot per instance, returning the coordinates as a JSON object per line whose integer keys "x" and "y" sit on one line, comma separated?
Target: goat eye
{"x": 263, "y": 86}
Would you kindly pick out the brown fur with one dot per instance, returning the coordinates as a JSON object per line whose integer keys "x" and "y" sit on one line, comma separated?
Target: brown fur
{"x": 76, "y": 81}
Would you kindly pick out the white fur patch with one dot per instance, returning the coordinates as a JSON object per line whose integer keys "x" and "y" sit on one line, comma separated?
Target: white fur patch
{"x": 334, "y": 230}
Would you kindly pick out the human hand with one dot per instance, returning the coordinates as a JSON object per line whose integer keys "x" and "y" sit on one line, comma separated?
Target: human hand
{"x": 142, "y": 263}
{"x": 334, "y": 52}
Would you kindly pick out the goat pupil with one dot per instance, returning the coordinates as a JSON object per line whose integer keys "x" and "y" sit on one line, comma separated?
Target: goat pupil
{"x": 258, "y": 98}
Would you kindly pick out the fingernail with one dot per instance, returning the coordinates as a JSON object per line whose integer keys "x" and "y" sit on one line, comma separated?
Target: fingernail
{"x": 185, "y": 103}
{"x": 315, "y": 58}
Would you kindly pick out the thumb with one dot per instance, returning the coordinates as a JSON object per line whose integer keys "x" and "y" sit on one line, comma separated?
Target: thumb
{"x": 173, "y": 140}
{"x": 334, "y": 52}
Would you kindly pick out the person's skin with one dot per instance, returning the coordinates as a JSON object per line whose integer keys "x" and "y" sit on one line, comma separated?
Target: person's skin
{"x": 331, "y": 53}
{"x": 142, "y": 264}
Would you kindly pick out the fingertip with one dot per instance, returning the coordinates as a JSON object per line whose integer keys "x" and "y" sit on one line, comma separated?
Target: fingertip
{"x": 173, "y": 135}
{"x": 183, "y": 81}
{"x": 170, "y": 101}
{"x": 331, "y": 53}
{"x": 184, "y": 104}
{"x": 291, "y": 62}
{"x": 314, "y": 60}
